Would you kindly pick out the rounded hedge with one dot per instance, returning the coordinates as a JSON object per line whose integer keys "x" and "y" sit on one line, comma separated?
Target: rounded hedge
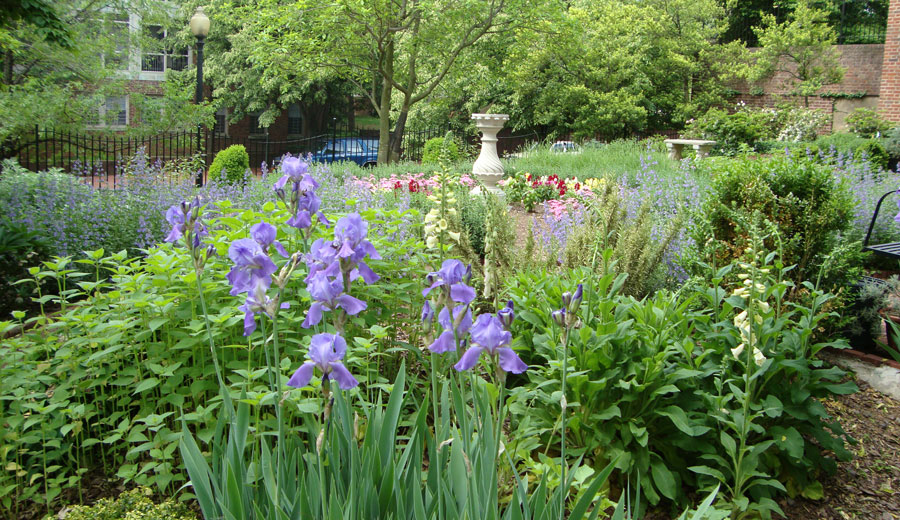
{"x": 435, "y": 147}
{"x": 230, "y": 165}
{"x": 875, "y": 153}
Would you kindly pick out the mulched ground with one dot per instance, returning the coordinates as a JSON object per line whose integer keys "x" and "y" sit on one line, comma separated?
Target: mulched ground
{"x": 867, "y": 487}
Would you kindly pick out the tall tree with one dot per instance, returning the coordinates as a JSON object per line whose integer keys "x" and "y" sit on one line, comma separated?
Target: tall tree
{"x": 801, "y": 49}
{"x": 385, "y": 48}
{"x": 248, "y": 85}
{"x": 61, "y": 61}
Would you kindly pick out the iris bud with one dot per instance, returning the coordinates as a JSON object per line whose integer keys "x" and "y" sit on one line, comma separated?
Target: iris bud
{"x": 506, "y": 315}
{"x": 559, "y": 317}
{"x": 430, "y": 278}
{"x": 576, "y": 299}
{"x": 566, "y": 299}
{"x": 467, "y": 277}
{"x": 427, "y": 317}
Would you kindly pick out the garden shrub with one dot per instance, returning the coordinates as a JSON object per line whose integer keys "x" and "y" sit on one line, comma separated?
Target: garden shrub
{"x": 131, "y": 505}
{"x": 440, "y": 148}
{"x": 636, "y": 251}
{"x": 892, "y": 143}
{"x": 732, "y": 132}
{"x": 230, "y": 165}
{"x": 874, "y": 152}
{"x": 807, "y": 204}
{"x": 866, "y": 122}
{"x": 796, "y": 124}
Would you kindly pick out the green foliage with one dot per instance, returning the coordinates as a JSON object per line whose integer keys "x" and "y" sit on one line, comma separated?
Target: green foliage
{"x": 807, "y": 205}
{"x": 656, "y": 386}
{"x": 230, "y": 165}
{"x": 892, "y": 142}
{"x": 801, "y": 49}
{"x": 637, "y": 253}
{"x": 20, "y": 248}
{"x": 874, "y": 152}
{"x": 438, "y": 148}
{"x": 866, "y": 122}
{"x": 131, "y": 505}
{"x": 733, "y": 133}
{"x": 95, "y": 400}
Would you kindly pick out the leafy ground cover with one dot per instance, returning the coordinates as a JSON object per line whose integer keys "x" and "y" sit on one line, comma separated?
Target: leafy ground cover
{"x": 638, "y": 365}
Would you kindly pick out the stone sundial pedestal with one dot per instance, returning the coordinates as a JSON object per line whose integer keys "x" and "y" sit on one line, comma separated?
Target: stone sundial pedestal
{"x": 487, "y": 168}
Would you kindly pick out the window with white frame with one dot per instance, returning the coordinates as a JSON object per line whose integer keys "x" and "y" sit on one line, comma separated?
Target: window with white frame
{"x": 221, "y": 126}
{"x": 295, "y": 119}
{"x": 158, "y": 57}
{"x": 112, "y": 113}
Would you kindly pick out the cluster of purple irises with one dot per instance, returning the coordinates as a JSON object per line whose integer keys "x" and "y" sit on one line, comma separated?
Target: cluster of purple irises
{"x": 489, "y": 333}
{"x": 333, "y": 266}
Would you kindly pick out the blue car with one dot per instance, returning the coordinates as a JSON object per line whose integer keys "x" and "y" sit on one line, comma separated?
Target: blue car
{"x": 363, "y": 152}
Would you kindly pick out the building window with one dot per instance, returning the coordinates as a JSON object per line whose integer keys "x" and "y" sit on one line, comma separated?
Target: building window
{"x": 120, "y": 29}
{"x": 159, "y": 57}
{"x": 112, "y": 113}
{"x": 255, "y": 129}
{"x": 295, "y": 120}
{"x": 221, "y": 126}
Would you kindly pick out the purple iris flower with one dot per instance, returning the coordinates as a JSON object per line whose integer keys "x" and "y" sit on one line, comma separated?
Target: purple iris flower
{"x": 265, "y": 234}
{"x": 427, "y": 317}
{"x": 179, "y": 215}
{"x": 322, "y": 257}
{"x": 326, "y": 352}
{"x": 506, "y": 315}
{"x": 329, "y": 295}
{"x": 489, "y": 336}
{"x": 308, "y": 204}
{"x": 462, "y": 318}
{"x": 257, "y": 301}
{"x": 352, "y": 246}
{"x": 175, "y": 217}
{"x": 251, "y": 264}
{"x": 294, "y": 169}
{"x": 452, "y": 276}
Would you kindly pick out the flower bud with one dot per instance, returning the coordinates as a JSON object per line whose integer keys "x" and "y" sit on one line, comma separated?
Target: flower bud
{"x": 576, "y": 299}
{"x": 430, "y": 278}
{"x": 566, "y": 299}
{"x": 427, "y": 317}
{"x": 467, "y": 277}
{"x": 506, "y": 315}
{"x": 211, "y": 251}
{"x": 559, "y": 317}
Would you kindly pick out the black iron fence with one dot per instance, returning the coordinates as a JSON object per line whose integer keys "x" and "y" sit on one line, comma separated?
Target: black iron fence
{"x": 99, "y": 156}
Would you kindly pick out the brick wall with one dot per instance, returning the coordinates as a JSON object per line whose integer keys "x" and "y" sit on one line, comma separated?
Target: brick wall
{"x": 889, "y": 100}
{"x": 863, "y": 74}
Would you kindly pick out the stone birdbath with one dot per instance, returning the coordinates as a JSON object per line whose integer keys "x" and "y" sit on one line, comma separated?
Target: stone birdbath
{"x": 487, "y": 168}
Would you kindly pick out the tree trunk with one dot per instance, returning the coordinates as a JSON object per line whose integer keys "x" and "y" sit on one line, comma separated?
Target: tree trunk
{"x": 384, "y": 116}
{"x": 400, "y": 128}
{"x": 351, "y": 113}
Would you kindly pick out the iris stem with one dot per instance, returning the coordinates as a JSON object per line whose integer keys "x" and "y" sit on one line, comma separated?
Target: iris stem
{"x": 212, "y": 347}
{"x": 562, "y": 444}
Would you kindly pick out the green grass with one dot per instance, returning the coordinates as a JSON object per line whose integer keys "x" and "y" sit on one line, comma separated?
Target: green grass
{"x": 366, "y": 122}
{"x": 613, "y": 160}
{"x": 620, "y": 160}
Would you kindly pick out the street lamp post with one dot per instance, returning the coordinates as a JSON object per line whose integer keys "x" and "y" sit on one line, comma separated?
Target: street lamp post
{"x": 200, "y": 29}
